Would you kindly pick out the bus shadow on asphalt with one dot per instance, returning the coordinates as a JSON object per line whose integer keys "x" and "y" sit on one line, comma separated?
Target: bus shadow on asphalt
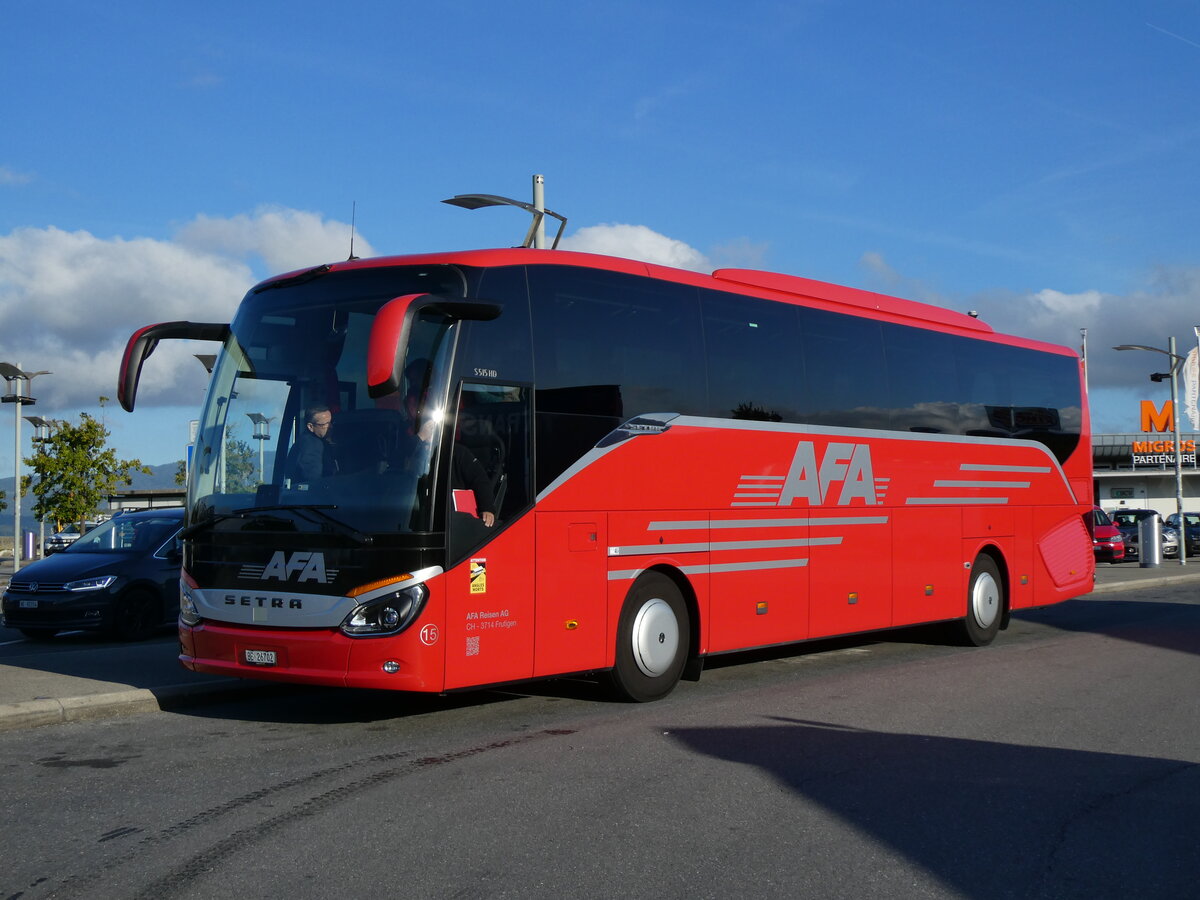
{"x": 1153, "y": 623}
{"x": 988, "y": 819}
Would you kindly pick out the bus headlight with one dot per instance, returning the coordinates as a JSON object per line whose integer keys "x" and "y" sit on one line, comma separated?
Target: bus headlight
{"x": 389, "y": 614}
{"x": 188, "y": 612}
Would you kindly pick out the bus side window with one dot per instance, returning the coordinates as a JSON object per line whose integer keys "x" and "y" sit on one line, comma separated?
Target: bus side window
{"x": 845, "y": 370}
{"x": 740, "y": 335}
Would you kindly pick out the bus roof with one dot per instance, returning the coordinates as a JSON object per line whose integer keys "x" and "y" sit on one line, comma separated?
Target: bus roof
{"x": 772, "y": 285}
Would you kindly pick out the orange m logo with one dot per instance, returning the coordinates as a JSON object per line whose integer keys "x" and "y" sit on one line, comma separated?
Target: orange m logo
{"x": 1153, "y": 420}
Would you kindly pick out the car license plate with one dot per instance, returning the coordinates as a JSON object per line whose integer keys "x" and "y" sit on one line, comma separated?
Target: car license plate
{"x": 260, "y": 657}
{"x": 29, "y": 604}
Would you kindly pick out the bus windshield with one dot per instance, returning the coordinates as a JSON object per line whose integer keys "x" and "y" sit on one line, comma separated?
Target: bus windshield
{"x": 289, "y": 436}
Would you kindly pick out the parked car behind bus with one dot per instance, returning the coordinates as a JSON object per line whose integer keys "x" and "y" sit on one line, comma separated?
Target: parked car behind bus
{"x": 1107, "y": 541}
{"x": 121, "y": 578}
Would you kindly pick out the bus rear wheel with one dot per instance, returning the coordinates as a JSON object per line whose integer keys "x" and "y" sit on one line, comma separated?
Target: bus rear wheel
{"x": 652, "y": 640}
{"x": 985, "y": 604}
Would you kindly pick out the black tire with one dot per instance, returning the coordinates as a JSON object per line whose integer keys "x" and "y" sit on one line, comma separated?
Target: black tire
{"x": 985, "y": 604}
{"x": 135, "y": 616}
{"x": 39, "y": 634}
{"x": 653, "y": 636}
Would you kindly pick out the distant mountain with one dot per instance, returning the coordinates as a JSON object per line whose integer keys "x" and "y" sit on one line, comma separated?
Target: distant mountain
{"x": 161, "y": 478}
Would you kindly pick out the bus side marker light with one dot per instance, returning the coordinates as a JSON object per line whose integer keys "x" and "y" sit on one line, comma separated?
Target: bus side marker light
{"x": 391, "y": 667}
{"x": 572, "y": 624}
{"x": 929, "y": 590}
{"x": 760, "y": 608}
{"x": 1024, "y": 579}
{"x": 853, "y": 598}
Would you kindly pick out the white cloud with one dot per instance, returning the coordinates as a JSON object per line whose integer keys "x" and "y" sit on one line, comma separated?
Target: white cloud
{"x": 637, "y": 242}
{"x": 13, "y": 177}
{"x": 284, "y": 239}
{"x": 1167, "y": 302}
{"x": 70, "y": 300}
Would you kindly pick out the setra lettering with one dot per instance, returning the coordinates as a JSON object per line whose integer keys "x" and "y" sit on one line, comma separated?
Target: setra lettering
{"x": 264, "y": 602}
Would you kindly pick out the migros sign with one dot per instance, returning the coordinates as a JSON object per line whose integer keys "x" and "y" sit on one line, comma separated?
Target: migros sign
{"x": 1154, "y": 419}
{"x": 1158, "y": 452}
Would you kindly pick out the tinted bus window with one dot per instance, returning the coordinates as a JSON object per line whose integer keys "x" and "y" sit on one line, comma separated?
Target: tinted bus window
{"x": 845, "y": 370}
{"x": 1019, "y": 393}
{"x": 614, "y": 344}
{"x": 499, "y": 348}
{"x": 751, "y": 348}
{"x": 923, "y": 387}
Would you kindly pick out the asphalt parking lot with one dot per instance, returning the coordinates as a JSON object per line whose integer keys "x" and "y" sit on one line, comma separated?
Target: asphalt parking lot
{"x": 92, "y": 678}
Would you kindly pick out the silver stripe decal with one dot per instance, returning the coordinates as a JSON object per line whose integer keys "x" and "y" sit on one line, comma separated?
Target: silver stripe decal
{"x": 763, "y": 565}
{"x": 714, "y": 524}
{"x": 717, "y": 546}
{"x": 756, "y": 566}
{"x": 988, "y": 467}
{"x": 981, "y": 484}
{"x": 627, "y": 574}
{"x": 933, "y": 501}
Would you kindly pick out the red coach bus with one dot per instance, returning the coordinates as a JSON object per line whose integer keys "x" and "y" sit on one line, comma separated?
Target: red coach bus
{"x": 540, "y": 463}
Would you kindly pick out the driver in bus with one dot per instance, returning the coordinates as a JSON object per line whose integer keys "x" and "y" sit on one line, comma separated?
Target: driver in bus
{"x": 313, "y": 455}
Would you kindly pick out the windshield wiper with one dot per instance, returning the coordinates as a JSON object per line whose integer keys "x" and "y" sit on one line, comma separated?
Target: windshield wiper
{"x": 319, "y": 516}
{"x": 206, "y": 524}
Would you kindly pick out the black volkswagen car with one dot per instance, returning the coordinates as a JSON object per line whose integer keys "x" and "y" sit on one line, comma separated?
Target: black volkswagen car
{"x": 121, "y": 578}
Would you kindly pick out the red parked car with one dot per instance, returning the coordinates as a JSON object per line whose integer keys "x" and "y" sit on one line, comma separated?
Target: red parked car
{"x": 1107, "y": 540}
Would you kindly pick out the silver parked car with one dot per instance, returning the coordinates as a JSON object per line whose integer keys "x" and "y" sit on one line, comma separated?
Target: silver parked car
{"x": 56, "y": 543}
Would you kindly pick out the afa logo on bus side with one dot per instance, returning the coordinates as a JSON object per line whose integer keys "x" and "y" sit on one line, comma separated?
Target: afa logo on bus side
{"x": 847, "y": 465}
{"x": 841, "y": 475}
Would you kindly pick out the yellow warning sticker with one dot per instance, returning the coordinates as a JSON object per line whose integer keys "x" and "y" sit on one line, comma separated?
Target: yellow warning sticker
{"x": 479, "y": 576}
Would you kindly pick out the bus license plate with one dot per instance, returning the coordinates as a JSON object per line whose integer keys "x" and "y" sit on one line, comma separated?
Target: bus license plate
{"x": 260, "y": 657}
{"x": 29, "y": 604}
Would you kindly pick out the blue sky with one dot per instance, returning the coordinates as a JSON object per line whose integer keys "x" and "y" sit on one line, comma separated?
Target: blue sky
{"x": 1036, "y": 162}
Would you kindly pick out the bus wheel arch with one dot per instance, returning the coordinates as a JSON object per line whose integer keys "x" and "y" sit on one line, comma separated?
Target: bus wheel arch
{"x": 655, "y": 636}
{"x": 987, "y": 607}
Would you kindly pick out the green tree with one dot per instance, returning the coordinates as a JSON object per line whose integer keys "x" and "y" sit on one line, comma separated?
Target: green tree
{"x": 3, "y": 503}
{"x": 241, "y": 466}
{"x": 75, "y": 471}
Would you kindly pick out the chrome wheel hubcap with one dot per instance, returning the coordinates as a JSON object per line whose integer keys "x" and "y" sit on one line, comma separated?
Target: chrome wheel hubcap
{"x": 655, "y": 638}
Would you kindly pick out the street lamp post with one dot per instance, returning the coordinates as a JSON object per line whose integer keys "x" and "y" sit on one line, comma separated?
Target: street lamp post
{"x": 262, "y": 434}
{"x": 18, "y": 395}
{"x": 41, "y": 434}
{"x": 536, "y": 236}
{"x": 1176, "y": 362}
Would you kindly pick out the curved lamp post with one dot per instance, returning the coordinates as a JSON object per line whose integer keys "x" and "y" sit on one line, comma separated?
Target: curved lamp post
{"x": 1177, "y": 362}
{"x": 18, "y": 395}
{"x": 262, "y": 434}
{"x": 41, "y": 434}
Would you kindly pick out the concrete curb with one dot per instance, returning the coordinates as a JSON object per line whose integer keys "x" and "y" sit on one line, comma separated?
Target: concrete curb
{"x": 46, "y": 711}
{"x": 1160, "y": 581}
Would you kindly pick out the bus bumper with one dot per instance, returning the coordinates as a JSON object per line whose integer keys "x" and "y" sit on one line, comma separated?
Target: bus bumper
{"x": 318, "y": 657}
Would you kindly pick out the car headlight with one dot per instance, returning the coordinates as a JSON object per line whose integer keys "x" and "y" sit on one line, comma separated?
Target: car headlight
{"x": 98, "y": 583}
{"x": 389, "y": 614}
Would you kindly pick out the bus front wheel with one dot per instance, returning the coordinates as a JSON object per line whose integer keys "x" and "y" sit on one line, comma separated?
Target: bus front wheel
{"x": 985, "y": 603}
{"x": 652, "y": 640}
